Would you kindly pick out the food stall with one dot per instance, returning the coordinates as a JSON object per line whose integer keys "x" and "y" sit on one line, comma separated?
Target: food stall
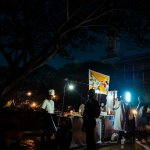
{"x": 108, "y": 115}
{"x": 104, "y": 124}
{"x": 78, "y": 136}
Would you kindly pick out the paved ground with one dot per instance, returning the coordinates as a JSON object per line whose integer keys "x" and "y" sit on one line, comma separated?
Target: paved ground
{"x": 115, "y": 146}
{"x": 34, "y": 143}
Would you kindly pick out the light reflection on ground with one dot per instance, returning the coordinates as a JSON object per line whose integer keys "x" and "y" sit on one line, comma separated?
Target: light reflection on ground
{"x": 24, "y": 144}
{"x": 28, "y": 143}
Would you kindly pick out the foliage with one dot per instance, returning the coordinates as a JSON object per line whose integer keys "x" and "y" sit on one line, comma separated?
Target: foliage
{"x": 33, "y": 31}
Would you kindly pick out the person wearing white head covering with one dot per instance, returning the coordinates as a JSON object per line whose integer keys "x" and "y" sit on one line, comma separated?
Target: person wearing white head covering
{"x": 119, "y": 120}
{"x": 48, "y": 104}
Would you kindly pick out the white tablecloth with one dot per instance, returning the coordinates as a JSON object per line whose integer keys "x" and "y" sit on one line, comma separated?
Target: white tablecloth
{"x": 78, "y": 136}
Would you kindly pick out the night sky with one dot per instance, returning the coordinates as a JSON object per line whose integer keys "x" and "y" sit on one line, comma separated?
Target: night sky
{"x": 97, "y": 53}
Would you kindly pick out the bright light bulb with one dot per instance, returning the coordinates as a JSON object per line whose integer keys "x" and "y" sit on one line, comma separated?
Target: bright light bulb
{"x": 71, "y": 87}
{"x": 128, "y": 96}
{"x": 33, "y": 104}
{"x": 29, "y": 94}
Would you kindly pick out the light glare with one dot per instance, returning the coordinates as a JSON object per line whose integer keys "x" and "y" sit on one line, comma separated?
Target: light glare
{"x": 128, "y": 96}
{"x": 71, "y": 87}
{"x": 134, "y": 112}
{"x": 33, "y": 105}
{"x": 29, "y": 93}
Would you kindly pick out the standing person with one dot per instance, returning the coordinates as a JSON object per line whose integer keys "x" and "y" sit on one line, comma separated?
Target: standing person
{"x": 91, "y": 111}
{"x": 48, "y": 104}
{"x": 141, "y": 120}
{"x": 119, "y": 120}
{"x": 129, "y": 123}
{"x": 131, "y": 127}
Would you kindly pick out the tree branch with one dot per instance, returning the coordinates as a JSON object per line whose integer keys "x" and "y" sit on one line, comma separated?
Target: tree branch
{"x": 65, "y": 24}
{"x": 7, "y": 56}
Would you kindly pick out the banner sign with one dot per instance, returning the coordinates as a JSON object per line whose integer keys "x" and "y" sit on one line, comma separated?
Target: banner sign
{"x": 99, "y": 82}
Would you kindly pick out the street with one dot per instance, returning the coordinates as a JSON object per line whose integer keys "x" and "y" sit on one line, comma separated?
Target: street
{"x": 135, "y": 146}
{"x": 114, "y": 146}
{"x": 33, "y": 143}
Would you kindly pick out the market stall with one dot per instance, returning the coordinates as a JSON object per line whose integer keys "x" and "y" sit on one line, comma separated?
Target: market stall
{"x": 78, "y": 136}
{"x": 103, "y": 130}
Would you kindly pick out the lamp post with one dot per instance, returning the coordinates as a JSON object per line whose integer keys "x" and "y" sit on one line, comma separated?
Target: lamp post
{"x": 70, "y": 87}
{"x": 63, "y": 100}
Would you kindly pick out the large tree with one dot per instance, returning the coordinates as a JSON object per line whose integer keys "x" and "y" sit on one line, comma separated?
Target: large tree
{"x": 32, "y": 31}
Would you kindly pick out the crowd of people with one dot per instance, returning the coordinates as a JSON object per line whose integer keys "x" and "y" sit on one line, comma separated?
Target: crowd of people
{"x": 128, "y": 125}
{"x": 131, "y": 124}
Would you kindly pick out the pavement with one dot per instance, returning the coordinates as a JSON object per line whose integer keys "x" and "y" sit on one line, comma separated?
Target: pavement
{"x": 134, "y": 146}
{"x": 114, "y": 146}
{"x": 33, "y": 143}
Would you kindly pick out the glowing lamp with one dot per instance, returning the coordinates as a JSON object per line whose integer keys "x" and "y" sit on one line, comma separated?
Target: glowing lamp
{"x": 128, "y": 96}
{"x": 71, "y": 87}
{"x": 29, "y": 94}
{"x": 33, "y": 105}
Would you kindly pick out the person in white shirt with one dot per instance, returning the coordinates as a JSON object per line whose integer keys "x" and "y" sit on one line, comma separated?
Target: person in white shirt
{"x": 119, "y": 120}
{"x": 48, "y": 104}
{"x": 49, "y": 107}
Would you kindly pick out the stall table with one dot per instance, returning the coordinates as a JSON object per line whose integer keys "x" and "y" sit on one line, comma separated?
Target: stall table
{"x": 103, "y": 130}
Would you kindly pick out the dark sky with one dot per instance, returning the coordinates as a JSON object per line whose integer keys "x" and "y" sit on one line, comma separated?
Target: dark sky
{"x": 97, "y": 53}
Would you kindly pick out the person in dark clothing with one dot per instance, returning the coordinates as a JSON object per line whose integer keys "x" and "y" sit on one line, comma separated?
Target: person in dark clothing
{"x": 141, "y": 120}
{"x": 131, "y": 129}
{"x": 91, "y": 111}
{"x": 130, "y": 125}
{"x": 129, "y": 122}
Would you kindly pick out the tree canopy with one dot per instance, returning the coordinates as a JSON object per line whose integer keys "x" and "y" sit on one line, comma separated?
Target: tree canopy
{"x": 33, "y": 31}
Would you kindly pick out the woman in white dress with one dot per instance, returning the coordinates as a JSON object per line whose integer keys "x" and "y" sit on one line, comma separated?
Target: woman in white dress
{"x": 119, "y": 120}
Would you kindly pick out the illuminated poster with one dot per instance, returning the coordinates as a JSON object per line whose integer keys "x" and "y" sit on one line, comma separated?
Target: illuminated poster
{"x": 99, "y": 82}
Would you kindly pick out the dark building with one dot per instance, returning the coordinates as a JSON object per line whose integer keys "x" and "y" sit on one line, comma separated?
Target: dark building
{"x": 130, "y": 73}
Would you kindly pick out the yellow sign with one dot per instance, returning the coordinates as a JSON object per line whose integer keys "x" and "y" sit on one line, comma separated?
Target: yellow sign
{"x": 99, "y": 82}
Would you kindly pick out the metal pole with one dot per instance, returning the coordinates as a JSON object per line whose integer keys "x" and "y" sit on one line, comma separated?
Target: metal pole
{"x": 63, "y": 101}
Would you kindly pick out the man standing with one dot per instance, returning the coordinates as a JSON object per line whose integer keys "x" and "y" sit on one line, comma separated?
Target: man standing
{"x": 91, "y": 111}
{"x": 141, "y": 119}
{"x": 48, "y": 104}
